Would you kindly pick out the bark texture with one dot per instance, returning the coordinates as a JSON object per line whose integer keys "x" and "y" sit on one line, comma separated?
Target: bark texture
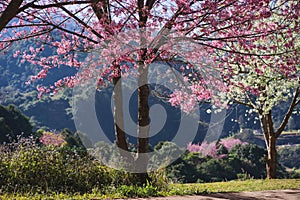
{"x": 143, "y": 124}
{"x": 121, "y": 139}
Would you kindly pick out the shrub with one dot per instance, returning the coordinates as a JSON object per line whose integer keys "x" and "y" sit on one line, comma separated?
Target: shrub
{"x": 184, "y": 169}
{"x": 251, "y": 159}
{"x": 241, "y": 161}
{"x": 289, "y": 156}
{"x": 216, "y": 170}
{"x": 26, "y": 166}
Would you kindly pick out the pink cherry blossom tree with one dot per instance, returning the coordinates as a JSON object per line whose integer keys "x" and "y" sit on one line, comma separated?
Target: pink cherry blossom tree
{"x": 253, "y": 40}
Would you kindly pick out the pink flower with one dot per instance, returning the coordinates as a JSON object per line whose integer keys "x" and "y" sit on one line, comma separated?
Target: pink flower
{"x": 16, "y": 54}
{"x": 204, "y": 149}
{"x": 52, "y": 139}
{"x": 194, "y": 148}
{"x": 186, "y": 101}
{"x": 258, "y": 71}
{"x": 228, "y": 143}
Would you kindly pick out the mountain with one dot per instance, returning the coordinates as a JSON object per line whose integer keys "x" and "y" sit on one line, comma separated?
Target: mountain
{"x": 54, "y": 112}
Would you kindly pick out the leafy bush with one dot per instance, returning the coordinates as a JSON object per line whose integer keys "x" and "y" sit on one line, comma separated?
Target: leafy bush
{"x": 136, "y": 191}
{"x": 251, "y": 159}
{"x": 25, "y": 166}
{"x": 28, "y": 166}
{"x": 184, "y": 169}
{"x": 289, "y": 156}
{"x": 217, "y": 170}
{"x": 236, "y": 160}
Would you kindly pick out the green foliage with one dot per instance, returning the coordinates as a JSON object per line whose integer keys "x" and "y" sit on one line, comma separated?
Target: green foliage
{"x": 25, "y": 166}
{"x": 241, "y": 162}
{"x": 217, "y": 170}
{"x": 250, "y": 158}
{"x": 13, "y": 123}
{"x": 73, "y": 140}
{"x": 289, "y": 156}
{"x": 136, "y": 191}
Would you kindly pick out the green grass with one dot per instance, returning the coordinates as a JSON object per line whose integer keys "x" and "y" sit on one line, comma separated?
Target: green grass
{"x": 295, "y": 132}
{"x": 177, "y": 189}
{"x": 234, "y": 186}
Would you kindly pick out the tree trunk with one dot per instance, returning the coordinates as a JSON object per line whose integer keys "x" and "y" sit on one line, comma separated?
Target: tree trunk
{"x": 121, "y": 140}
{"x": 270, "y": 140}
{"x": 10, "y": 12}
{"x": 271, "y": 162}
{"x": 143, "y": 125}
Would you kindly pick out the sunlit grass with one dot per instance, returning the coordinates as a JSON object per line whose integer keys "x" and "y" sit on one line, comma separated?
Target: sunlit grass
{"x": 295, "y": 132}
{"x": 234, "y": 186}
{"x": 177, "y": 189}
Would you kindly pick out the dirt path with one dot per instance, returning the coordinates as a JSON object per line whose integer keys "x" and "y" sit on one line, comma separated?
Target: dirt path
{"x": 263, "y": 195}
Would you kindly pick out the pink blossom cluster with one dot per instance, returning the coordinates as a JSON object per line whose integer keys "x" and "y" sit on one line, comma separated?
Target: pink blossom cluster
{"x": 183, "y": 99}
{"x": 228, "y": 143}
{"x": 206, "y": 149}
{"x": 52, "y": 139}
{"x": 211, "y": 149}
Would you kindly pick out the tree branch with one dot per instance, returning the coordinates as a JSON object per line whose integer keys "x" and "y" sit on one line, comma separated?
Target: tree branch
{"x": 234, "y": 51}
{"x": 142, "y": 17}
{"x": 263, "y": 123}
{"x": 10, "y": 12}
{"x": 58, "y": 4}
{"x": 81, "y": 22}
{"x": 150, "y": 3}
{"x": 243, "y": 103}
{"x": 270, "y": 124}
{"x": 288, "y": 114}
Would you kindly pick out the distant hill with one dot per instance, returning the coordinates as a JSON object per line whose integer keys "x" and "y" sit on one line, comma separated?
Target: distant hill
{"x": 287, "y": 138}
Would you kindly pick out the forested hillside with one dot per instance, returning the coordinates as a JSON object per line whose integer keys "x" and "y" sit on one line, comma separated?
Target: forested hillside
{"x": 53, "y": 111}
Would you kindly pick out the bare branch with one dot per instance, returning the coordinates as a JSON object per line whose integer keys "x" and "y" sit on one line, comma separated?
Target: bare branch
{"x": 58, "y": 4}
{"x": 243, "y": 103}
{"x": 236, "y": 52}
{"x": 288, "y": 114}
{"x": 81, "y": 22}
